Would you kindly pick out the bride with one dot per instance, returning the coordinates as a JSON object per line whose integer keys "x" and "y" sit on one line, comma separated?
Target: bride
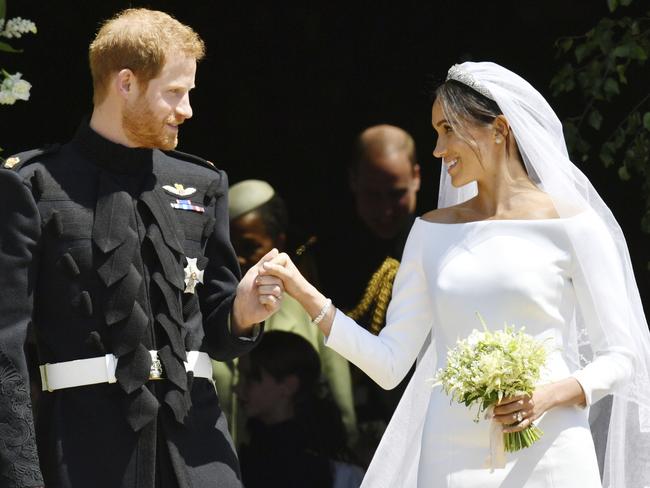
{"x": 521, "y": 237}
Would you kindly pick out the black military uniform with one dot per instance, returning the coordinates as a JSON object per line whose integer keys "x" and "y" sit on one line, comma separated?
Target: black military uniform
{"x": 95, "y": 245}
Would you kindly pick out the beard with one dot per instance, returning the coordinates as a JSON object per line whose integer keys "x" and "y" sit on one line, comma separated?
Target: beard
{"x": 144, "y": 129}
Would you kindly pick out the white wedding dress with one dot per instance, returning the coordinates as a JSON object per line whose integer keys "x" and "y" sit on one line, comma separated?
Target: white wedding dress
{"x": 517, "y": 272}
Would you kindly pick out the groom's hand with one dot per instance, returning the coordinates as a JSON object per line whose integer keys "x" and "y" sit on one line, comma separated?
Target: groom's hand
{"x": 281, "y": 267}
{"x": 258, "y": 297}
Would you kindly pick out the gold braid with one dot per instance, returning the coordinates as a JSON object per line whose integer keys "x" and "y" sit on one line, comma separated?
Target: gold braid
{"x": 377, "y": 295}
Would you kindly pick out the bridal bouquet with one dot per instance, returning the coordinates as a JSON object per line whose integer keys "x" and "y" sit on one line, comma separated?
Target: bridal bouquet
{"x": 488, "y": 366}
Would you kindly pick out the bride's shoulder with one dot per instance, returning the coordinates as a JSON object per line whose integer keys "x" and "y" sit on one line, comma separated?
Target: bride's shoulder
{"x": 535, "y": 205}
{"x": 440, "y": 216}
{"x": 450, "y": 215}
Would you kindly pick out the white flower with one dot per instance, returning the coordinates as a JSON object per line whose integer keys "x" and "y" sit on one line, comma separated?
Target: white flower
{"x": 21, "y": 90}
{"x": 14, "y": 88}
{"x": 17, "y": 27}
{"x": 475, "y": 337}
{"x": 6, "y": 97}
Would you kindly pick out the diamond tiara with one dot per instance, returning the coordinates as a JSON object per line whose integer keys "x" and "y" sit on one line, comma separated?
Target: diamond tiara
{"x": 457, "y": 73}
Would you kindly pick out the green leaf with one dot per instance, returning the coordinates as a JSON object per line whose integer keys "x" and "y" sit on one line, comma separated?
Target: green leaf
{"x": 623, "y": 173}
{"x": 8, "y": 49}
{"x": 625, "y": 3}
{"x": 595, "y": 119}
{"x": 607, "y": 153}
{"x": 581, "y": 52}
{"x": 622, "y": 51}
{"x": 565, "y": 44}
{"x": 637, "y": 52}
{"x": 611, "y": 87}
{"x": 607, "y": 159}
{"x": 620, "y": 69}
{"x": 612, "y": 4}
{"x": 646, "y": 120}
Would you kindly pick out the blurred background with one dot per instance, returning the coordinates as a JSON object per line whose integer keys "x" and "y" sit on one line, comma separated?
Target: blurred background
{"x": 287, "y": 86}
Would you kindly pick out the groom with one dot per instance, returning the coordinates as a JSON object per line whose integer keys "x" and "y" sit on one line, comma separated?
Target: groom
{"x": 115, "y": 248}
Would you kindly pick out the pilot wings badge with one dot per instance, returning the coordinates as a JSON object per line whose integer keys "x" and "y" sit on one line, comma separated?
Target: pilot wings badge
{"x": 179, "y": 190}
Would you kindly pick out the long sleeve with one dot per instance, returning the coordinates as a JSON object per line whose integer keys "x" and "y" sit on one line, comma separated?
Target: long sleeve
{"x": 19, "y": 235}
{"x": 387, "y": 357}
{"x": 601, "y": 293}
{"x": 221, "y": 279}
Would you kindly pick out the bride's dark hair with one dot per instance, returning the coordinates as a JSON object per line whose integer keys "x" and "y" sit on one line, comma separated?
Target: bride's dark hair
{"x": 462, "y": 102}
{"x": 464, "y": 106}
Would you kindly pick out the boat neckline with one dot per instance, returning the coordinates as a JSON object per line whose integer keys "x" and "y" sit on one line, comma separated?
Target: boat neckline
{"x": 549, "y": 219}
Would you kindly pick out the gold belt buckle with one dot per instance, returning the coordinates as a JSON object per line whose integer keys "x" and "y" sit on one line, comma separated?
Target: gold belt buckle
{"x": 156, "y": 371}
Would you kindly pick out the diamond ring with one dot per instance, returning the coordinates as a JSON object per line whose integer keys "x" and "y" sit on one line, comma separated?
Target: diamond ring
{"x": 519, "y": 416}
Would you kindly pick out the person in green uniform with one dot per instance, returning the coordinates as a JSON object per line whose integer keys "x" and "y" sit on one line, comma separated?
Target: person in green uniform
{"x": 258, "y": 223}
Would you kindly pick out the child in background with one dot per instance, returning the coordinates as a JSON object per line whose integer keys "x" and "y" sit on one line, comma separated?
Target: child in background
{"x": 297, "y": 438}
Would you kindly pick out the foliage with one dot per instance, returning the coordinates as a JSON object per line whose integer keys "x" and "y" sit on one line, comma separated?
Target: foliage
{"x": 607, "y": 69}
{"x": 488, "y": 366}
{"x": 12, "y": 86}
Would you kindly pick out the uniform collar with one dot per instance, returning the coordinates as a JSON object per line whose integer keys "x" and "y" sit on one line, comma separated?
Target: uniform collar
{"x": 111, "y": 156}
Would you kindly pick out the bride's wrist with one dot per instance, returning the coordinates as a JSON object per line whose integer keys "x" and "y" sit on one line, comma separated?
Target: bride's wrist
{"x": 312, "y": 300}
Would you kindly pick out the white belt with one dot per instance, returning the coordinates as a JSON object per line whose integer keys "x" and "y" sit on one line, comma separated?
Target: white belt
{"x": 91, "y": 371}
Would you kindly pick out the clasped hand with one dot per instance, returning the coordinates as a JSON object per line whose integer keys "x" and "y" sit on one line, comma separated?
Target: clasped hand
{"x": 281, "y": 267}
{"x": 258, "y": 297}
{"x": 519, "y": 412}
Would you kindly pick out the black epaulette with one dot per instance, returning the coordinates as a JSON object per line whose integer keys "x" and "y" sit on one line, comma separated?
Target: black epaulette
{"x": 19, "y": 160}
{"x": 192, "y": 159}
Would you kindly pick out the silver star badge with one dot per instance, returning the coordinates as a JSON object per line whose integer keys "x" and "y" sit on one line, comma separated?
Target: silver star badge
{"x": 11, "y": 162}
{"x": 193, "y": 275}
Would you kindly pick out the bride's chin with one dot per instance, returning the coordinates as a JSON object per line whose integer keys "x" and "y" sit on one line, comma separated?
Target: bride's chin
{"x": 458, "y": 184}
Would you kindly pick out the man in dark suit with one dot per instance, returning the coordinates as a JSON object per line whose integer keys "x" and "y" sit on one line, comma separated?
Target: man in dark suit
{"x": 116, "y": 248}
{"x": 384, "y": 180}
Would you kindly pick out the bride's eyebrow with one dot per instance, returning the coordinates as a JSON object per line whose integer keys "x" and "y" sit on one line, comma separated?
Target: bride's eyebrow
{"x": 441, "y": 122}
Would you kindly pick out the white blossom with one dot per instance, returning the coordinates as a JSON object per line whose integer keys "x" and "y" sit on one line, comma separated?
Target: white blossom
{"x": 14, "y": 88}
{"x": 16, "y": 27}
{"x": 6, "y": 97}
{"x": 489, "y": 365}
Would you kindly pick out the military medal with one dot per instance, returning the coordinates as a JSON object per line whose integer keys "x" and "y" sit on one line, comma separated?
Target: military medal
{"x": 187, "y": 205}
{"x": 11, "y": 162}
{"x": 193, "y": 275}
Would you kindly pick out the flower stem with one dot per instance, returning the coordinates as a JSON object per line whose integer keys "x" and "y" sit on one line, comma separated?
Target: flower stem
{"x": 515, "y": 441}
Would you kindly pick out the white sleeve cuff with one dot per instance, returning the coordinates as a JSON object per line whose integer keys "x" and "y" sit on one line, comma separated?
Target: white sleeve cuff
{"x": 605, "y": 374}
{"x": 580, "y": 377}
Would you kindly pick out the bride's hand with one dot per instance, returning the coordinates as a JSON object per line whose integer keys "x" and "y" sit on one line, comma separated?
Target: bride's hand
{"x": 519, "y": 412}
{"x": 282, "y": 267}
{"x": 313, "y": 301}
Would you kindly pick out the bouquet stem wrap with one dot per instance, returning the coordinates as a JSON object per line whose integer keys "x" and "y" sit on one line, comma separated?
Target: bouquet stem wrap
{"x": 497, "y": 457}
{"x": 489, "y": 366}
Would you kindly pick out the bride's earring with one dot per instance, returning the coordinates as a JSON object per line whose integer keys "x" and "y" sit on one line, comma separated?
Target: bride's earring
{"x": 498, "y": 139}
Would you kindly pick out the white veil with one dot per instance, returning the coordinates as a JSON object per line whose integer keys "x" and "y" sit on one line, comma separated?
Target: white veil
{"x": 539, "y": 137}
